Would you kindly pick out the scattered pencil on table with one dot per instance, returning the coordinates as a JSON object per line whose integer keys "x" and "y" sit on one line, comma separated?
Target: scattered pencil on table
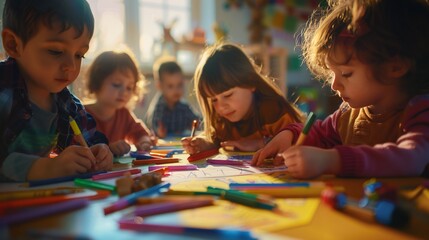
{"x": 155, "y": 161}
{"x": 92, "y": 184}
{"x": 175, "y": 167}
{"x": 6, "y": 196}
{"x": 194, "y": 128}
{"x": 307, "y": 126}
{"x": 115, "y": 174}
{"x": 224, "y": 162}
{"x": 42, "y": 182}
{"x": 166, "y": 207}
{"x": 203, "y": 155}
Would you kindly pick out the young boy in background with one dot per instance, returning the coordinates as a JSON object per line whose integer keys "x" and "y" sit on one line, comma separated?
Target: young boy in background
{"x": 45, "y": 42}
{"x": 168, "y": 115}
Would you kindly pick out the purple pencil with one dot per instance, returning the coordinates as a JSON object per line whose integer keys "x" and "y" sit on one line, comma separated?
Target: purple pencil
{"x": 42, "y": 211}
{"x": 175, "y": 167}
{"x": 224, "y": 162}
{"x": 166, "y": 207}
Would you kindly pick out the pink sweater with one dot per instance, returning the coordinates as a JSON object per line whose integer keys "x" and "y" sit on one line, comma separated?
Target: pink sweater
{"x": 391, "y": 145}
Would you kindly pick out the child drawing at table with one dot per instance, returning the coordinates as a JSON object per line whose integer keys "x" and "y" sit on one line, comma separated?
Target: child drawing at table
{"x": 45, "y": 42}
{"x": 374, "y": 54}
{"x": 241, "y": 108}
{"x": 116, "y": 82}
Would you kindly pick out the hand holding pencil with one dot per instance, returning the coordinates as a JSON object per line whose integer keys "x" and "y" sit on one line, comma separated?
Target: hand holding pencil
{"x": 280, "y": 143}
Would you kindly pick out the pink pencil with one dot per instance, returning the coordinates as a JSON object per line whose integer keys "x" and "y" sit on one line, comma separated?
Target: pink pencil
{"x": 115, "y": 174}
{"x": 224, "y": 162}
{"x": 175, "y": 167}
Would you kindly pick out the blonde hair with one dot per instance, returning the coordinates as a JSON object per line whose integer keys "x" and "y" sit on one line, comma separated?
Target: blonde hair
{"x": 110, "y": 61}
{"x": 225, "y": 66}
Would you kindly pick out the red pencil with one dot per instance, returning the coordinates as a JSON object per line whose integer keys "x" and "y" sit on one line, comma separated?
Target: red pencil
{"x": 203, "y": 154}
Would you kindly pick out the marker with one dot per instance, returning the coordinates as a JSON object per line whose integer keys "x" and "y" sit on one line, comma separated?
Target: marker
{"x": 155, "y": 161}
{"x": 115, "y": 174}
{"x": 203, "y": 154}
{"x": 61, "y": 179}
{"x": 132, "y": 198}
{"x": 166, "y": 207}
{"x": 5, "y": 196}
{"x": 308, "y": 123}
{"x": 77, "y": 132}
{"x": 194, "y": 128}
{"x": 216, "y": 233}
{"x": 92, "y": 184}
{"x": 42, "y": 211}
{"x": 175, "y": 167}
{"x": 224, "y": 162}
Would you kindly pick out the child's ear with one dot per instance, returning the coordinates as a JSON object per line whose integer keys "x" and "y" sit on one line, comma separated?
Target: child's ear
{"x": 11, "y": 43}
{"x": 398, "y": 67}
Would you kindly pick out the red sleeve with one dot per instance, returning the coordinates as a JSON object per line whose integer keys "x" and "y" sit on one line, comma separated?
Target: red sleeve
{"x": 136, "y": 128}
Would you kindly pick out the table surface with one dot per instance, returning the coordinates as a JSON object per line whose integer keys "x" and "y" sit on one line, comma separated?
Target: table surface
{"x": 326, "y": 224}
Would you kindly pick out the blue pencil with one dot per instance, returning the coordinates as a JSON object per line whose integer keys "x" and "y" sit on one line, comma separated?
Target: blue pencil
{"x": 209, "y": 233}
{"x": 62, "y": 179}
{"x": 292, "y": 184}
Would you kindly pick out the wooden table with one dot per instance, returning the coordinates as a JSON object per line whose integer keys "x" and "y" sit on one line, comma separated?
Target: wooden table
{"x": 326, "y": 224}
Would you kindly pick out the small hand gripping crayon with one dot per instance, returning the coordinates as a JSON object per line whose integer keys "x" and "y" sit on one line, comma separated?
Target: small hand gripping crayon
{"x": 384, "y": 212}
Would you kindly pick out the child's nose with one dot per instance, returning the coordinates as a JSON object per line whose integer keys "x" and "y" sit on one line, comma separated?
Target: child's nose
{"x": 335, "y": 84}
{"x": 69, "y": 63}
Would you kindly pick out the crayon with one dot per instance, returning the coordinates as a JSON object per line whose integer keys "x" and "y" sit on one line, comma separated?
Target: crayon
{"x": 132, "y": 198}
{"x": 175, "y": 167}
{"x": 5, "y": 196}
{"x": 61, "y": 179}
{"x": 220, "y": 233}
{"x": 115, "y": 174}
{"x": 42, "y": 211}
{"x": 166, "y": 207}
{"x": 91, "y": 184}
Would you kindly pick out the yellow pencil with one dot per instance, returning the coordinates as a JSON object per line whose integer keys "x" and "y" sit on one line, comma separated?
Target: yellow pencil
{"x": 77, "y": 132}
{"x": 308, "y": 123}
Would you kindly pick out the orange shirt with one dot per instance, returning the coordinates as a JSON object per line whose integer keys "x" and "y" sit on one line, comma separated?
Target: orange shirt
{"x": 124, "y": 125}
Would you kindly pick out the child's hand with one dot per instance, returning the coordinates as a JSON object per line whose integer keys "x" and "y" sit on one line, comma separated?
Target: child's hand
{"x": 196, "y": 144}
{"x": 278, "y": 144}
{"x": 310, "y": 162}
{"x": 74, "y": 160}
{"x": 246, "y": 145}
{"x": 144, "y": 143}
{"x": 104, "y": 157}
{"x": 119, "y": 148}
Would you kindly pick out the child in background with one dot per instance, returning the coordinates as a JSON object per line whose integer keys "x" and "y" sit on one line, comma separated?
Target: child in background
{"x": 45, "y": 42}
{"x": 374, "y": 54}
{"x": 241, "y": 108}
{"x": 168, "y": 115}
{"x": 114, "y": 79}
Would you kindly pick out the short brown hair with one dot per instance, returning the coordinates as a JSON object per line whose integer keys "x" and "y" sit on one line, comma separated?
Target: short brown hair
{"x": 165, "y": 65}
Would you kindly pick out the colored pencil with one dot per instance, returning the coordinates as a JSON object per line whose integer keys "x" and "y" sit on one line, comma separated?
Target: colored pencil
{"x": 171, "y": 198}
{"x": 175, "y": 167}
{"x": 77, "y": 132}
{"x": 61, "y": 179}
{"x": 42, "y": 211}
{"x": 292, "y": 192}
{"x": 166, "y": 207}
{"x": 307, "y": 126}
{"x": 203, "y": 155}
{"x": 220, "y": 233}
{"x": 114, "y": 174}
{"x": 194, "y": 127}
{"x": 6, "y": 196}
{"x": 271, "y": 185}
{"x": 155, "y": 161}
{"x": 91, "y": 184}
{"x": 224, "y": 162}
{"x": 132, "y": 198}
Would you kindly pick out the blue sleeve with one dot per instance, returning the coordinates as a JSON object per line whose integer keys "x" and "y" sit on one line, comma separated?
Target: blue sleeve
{"x": 17, "y": 165}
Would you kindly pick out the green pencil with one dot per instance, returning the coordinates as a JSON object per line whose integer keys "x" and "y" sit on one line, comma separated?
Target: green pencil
{"x": 308, "y": 123}
{"x": 92, "y": 184}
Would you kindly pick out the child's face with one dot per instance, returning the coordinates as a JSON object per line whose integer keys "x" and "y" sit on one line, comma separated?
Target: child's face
{"x": 172, "y": 86}
{"x": 51, "y": 60}
{"x": 117, "y": 89}
{"x": 233, "y": 104}
{"x": 355, "y": 83}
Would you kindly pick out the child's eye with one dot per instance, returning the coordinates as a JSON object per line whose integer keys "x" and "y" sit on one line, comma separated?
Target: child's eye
{"x": 228, "y": 95}
{"x": 55, "y": 52}
{"x": 116, "y": 85}
{"x": 346, "y": 75}
{"x": 213, "y": 100}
